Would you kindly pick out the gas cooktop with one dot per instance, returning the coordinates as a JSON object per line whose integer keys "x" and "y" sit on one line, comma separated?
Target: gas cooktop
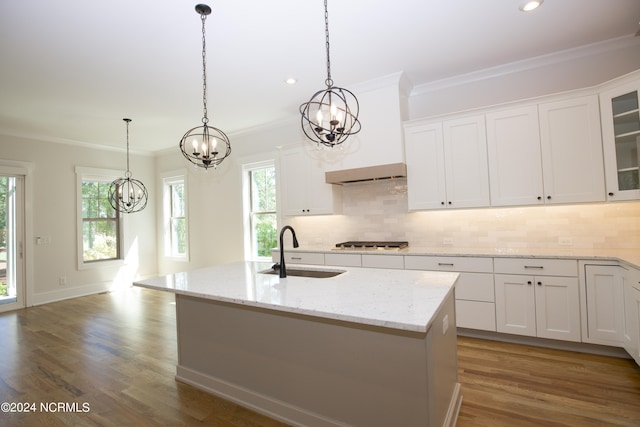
{"x": 382, "y": 245}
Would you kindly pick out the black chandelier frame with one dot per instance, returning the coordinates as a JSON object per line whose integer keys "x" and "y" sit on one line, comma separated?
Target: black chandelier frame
{"x": 203, "y": 145}
{"x": 331, "y": 115}
{"x": 128, "y": 195}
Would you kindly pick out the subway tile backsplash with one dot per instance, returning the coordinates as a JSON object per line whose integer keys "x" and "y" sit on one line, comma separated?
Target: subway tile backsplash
{"x": 377, "y": 210}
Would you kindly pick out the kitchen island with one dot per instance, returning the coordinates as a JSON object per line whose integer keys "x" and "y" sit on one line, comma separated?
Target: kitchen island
{"x": 368, "y": 347}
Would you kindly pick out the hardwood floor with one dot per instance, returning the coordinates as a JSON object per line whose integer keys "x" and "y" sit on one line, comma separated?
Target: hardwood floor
{"x": 515, "y": 385}
{"x": 109, "y": 360}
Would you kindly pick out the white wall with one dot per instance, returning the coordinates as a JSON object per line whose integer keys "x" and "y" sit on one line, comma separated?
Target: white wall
{"x": 215, "y": 196}
{"x": 52, "y": 208}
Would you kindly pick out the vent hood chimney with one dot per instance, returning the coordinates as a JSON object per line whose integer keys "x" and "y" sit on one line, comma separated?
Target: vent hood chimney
{"x": 369, "y": 173}
{"x": 377, "y": 151}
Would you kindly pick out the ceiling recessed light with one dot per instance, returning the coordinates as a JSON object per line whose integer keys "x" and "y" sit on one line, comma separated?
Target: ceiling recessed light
{"x": 291, "y": 81}
{"x": 529, "y": 5}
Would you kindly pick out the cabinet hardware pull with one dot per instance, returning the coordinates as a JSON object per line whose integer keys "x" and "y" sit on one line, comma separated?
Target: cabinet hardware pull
{"x": 539, "y": 283}
{"x": 528, "y": 282}
{"x": 296, "y": 257}
{"x": 535, "y": 267}
{"x": 539, "y": 197}
{"x": 548, "y": 197}
{"x": 610, "y": 194}
{"x": 445, "y": 264}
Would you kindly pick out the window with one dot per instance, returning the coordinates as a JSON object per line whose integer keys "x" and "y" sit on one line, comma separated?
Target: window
{"x": 175, "y": 217}
{"x": 260, "y": 209}
{"x": 99, "y": 227}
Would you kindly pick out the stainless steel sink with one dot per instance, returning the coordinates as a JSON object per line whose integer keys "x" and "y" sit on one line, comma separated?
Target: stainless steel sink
{"x": 318, "y": 274}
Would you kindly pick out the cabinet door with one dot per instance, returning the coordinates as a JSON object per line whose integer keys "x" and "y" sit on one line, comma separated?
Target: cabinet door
{"x": 302, "y": 184}
{"x": 621, "y": 137}
{"x": 571, "y": 143}
{"x": 515, "y": 160}
{"x": 515, "y": 304}
{"x": 631, "y": 327}
{"x": 293, "y": 182}
{"x": 425, "y": 167}
{"x": 605, "y": 304}
{"x": 466, "y": 167}
{"x": 557, "y": 308}
{"x": 635, "y": 318}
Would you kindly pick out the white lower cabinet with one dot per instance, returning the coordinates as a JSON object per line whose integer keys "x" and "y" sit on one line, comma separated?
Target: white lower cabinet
{"x": 343, "y": 260}
{"x": 631, "y": 327}
{"x": 475, "y": 302}
{"x": 604, "y": 288}
{"x": 538, "y": 306}
{"x": 395, "y": 262}
{"x": 295, "y": 257}
{"x": 541, "y": 305}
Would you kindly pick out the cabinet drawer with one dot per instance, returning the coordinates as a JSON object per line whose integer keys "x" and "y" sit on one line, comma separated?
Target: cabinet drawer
{"x": 343, "y": 260}
{"x": 475, "y": 287}
{"x": 315, "y": 258}
{"x": 383, "y": 261}
{"x": 440, "y": 263}
{"x": 536, "y": 266}
{"x": 476, "y": 315}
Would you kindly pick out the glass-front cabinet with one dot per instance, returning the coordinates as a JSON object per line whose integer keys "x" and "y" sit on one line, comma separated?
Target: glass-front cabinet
{"x": 621, "y": 138}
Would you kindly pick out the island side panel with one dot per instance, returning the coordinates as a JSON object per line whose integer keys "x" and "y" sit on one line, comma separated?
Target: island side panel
{"x": 307, "y": 370}
{"x": 442, "y": 366}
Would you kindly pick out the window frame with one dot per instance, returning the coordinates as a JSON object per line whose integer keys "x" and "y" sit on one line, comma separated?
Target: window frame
{"x": 169, "y": 179}
{"x": 106, "y": 176}
{"x": 250, "y": 251}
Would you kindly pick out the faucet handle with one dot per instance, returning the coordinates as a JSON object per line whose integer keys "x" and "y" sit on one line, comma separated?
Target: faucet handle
{"x": 275, "y": 267}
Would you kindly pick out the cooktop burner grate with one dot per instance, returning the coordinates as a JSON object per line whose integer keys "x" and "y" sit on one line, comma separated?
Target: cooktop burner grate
{"x": 358, "y": 244}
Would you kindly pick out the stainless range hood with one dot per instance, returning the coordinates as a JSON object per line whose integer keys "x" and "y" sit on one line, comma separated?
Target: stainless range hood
{"x": 369, "y": 173}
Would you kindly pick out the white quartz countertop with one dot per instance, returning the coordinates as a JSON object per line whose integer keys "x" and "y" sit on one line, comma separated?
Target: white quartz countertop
{"x": 627, "y": 255}
{"x": 398, "y": 299}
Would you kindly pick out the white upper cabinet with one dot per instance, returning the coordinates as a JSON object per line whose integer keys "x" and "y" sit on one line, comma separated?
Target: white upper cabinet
{"x": 465, "y": 156}
{"x": 425, "y": 166}
{"x": 549, "y": 153}
{"x": 621, "y": 133}
{"x": 571, "y": 142}
{"x": 515, "y": 159}
{"x": 447, "y": 164}
{"x": 302, "y": 186}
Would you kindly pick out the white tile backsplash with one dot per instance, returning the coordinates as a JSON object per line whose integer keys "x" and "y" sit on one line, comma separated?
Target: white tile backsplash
{"x": 377, "y": 210}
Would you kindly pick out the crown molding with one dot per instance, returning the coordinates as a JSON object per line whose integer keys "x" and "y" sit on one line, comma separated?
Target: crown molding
{"x": 528, "y": 64}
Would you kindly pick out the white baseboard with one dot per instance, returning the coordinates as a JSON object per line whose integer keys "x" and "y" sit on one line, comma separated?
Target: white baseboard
{"x": 601, "y": 350}
{"x": 68, "y": 293}
{"x": 268, "y": 406}
{"x": 454, "y": 407}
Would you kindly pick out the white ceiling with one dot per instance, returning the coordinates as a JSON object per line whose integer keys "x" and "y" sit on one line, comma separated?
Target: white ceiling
{"x": 70, "y": 70}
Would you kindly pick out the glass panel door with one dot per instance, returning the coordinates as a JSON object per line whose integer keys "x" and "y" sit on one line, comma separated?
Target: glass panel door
{"x": 626, "y": 126}
{"x": 11, "y": 254}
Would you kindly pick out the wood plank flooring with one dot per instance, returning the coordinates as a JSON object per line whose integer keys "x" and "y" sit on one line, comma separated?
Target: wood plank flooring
{"x": 109, "y": 360}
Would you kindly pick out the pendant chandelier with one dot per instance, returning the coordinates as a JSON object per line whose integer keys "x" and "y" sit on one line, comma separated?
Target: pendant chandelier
{"x": 205, "y": 146}
{"x": 128, "y": 195}
{"x": 332, "y": 113}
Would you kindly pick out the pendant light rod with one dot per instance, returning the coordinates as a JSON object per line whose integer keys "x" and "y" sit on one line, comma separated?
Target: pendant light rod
{"x": 329, "y": 81}
{"x": 128, "y": 171}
